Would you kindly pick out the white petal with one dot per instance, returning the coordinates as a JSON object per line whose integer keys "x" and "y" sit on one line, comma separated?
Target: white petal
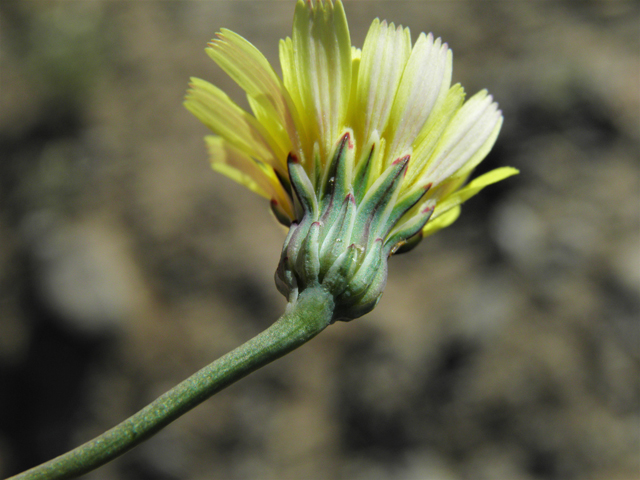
{"x": 429, "y": 136}
{"x": 384, "y": 56}
{"x": 424, "y": 80}
{"x": 467, "y": 139}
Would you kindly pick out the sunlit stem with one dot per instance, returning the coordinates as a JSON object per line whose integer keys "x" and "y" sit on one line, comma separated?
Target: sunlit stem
{"x": 305, "y": 317}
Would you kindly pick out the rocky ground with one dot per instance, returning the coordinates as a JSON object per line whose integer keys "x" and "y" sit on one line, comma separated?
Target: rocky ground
{"x": 505, "y": 347}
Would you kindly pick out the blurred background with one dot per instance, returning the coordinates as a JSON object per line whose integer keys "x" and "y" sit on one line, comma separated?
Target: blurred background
{"x": 505, "y": 347}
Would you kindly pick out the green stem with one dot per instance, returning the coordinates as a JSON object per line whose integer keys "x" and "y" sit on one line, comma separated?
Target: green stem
{"x": 304, "y": 318}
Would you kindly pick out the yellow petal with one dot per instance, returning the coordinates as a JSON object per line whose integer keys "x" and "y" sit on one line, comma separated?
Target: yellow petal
{"x": 267, "y": 96}
{"x": 472, "y": 189}
{"x": 353, "y": 116}
{"x": 322, "y": 62}
{"x": 384, "y": 56}
{"x": 218, "y": 112}
{"x": 236, "y": 165}
{"x": 290, "y": 82}
{"x": 443, "y": 221}
{"x": 253, "y": 174}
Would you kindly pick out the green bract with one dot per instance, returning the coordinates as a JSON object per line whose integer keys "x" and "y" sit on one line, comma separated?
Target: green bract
{"x": 347, "y": 231}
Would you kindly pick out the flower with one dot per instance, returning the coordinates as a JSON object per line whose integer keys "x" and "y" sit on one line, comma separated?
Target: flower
{"x": 361, "y": 152}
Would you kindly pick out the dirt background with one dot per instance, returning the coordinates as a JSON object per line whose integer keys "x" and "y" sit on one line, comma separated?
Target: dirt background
{"x": 505, "y": 347}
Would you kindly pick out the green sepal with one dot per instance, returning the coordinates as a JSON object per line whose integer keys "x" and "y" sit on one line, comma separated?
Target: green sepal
{"x": 285, "y": 281}
{"x": 293, "y": 246}
{"x": 362, "y": 175}
{"x": 284, "y": 277}
{"x": 278, "y": 212}
{"x": 308, "y": 262}
{"x": 302, "y": 187}
{"x": 340, "y": 273}
{"x": 339, "y": 234}
{"x": 284, "y": 181}
{"x": 317, "y": 169}
{"x": 336, "y": 183}
{"x": 402, "y": 206}
{"x": 373, "y": 210}
{"x": 370, "y": 298}
{"x": 364, "y": 276}
{"x": 411, "y": 227}
{"x": 369, "y": 166}
{"x": 337, "y": 179}
{"x": 408, "y": 245}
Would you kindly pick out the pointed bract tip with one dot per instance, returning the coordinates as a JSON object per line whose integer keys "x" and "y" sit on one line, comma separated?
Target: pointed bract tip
{"x": 428, "y": 209}
{"x": 404, "y": 159}
{"x": 346, "y": 138}
{"x": 292, "y": 158}
{"x": 405, "y": 163}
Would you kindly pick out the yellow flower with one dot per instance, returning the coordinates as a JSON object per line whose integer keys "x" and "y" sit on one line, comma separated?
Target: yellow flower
{"x": 367, "y": 149}
{"x": 395, "y": 97}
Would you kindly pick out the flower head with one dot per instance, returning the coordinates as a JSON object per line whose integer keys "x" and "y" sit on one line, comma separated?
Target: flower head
{"x": 361, "y": 152}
